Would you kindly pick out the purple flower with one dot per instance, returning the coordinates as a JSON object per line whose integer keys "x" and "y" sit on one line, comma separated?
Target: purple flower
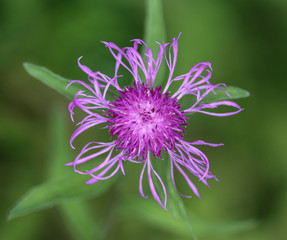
{"x": 145, "y": 120}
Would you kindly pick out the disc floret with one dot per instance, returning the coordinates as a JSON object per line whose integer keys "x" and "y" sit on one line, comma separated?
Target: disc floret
{"x": 145, "y": 120}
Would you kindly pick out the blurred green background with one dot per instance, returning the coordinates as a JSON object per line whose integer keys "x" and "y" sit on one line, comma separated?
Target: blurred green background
{"x": 246, "y": 43}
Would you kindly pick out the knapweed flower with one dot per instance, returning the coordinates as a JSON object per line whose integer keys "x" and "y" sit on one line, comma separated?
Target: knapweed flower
{"x": 144, "y": 119}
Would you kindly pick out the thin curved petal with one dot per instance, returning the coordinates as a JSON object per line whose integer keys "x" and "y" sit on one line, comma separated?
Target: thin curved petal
{"x": 172, "y": 177}
{"x": 100, "y": 176}
{"x": 84, "y": 127}
{"x": 152, "y": 187}
{"x": 200, "y": 142}
{"x": 189, "y": 182}
{"x": 216, "y": 105}
{"x": 141, "y": 181}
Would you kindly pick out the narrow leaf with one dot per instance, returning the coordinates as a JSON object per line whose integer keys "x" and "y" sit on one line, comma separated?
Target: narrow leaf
{"x": 53, "y": 80}
{"x": 154, "y": 23}
{"x": 234, "y": 92}
{"x": 59, "y": 83}
{"x": 155, "y": 32}
{"x": 150, "y": 212}
{"x": 153, "y": 215}
{"x": 57, "y": 190}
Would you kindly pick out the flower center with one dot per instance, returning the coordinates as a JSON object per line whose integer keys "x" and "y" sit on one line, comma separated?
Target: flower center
{"x": 145, "y": 120}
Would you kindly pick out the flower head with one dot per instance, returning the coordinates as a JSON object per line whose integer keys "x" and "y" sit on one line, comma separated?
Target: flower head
{"x": 145, "y": 120}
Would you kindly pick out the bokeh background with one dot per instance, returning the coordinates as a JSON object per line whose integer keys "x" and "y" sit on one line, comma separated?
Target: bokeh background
{"x": 245, "y": 40}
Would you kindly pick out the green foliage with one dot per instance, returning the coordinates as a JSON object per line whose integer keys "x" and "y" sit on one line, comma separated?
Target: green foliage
{"x": 153, "y": 215}
{"x": 69, "y": 186}
{"x": 57, "y": 82}
{"x": 154, "y": 23}
{"x": 62, "y": 186}
{"x": 68, "y": 191}
{"x": 155, "y": 32}
{"x": 234, "y": 92}
{"x": 53, "y": 80}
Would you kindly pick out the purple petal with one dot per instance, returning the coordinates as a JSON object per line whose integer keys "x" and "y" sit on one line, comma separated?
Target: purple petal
{"x": 83, "y": 128}
{"x": 141, "y": 180}
{"x": 215, "y": 105}
{"x": 151, "y": 184}
{"x": 172, "y": 178}
{"x": 200, "y": 142}
{"x": 100, "y": 176}
{"x": 189, "y": 182}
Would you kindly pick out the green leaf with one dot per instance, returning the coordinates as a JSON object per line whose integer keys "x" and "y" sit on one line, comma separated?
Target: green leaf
{"x": 234, "y": 92}
{"x": 59, "y": 83}
{"x": 53, "y": 80}
{"x": 153, "y": 215}
{"x": 58, "y": 190}
{"x": 154, "y": 23}
{"x": 149, "y": 211}
{"x": 155, "y": 32}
